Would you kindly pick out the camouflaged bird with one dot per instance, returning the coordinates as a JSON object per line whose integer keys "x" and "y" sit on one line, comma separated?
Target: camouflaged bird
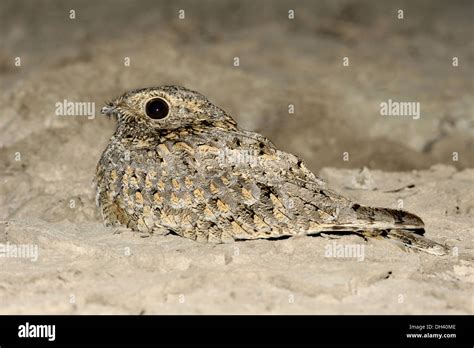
{"x": 178, "y": 163}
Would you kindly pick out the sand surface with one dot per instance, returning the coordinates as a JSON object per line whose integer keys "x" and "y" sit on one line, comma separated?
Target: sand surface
{"x": 47, "y": 161}
{"x": 82, "y": 262}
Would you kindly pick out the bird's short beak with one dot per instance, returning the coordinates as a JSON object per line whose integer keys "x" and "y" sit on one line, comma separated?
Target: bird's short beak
{"x": 108, "y": 110}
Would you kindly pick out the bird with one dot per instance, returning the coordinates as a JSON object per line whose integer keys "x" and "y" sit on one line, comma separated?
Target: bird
{"x": 179, "y": 164}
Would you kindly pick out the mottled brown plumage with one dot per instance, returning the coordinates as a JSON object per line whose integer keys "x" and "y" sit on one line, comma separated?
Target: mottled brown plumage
{"x": 196, "y": 173}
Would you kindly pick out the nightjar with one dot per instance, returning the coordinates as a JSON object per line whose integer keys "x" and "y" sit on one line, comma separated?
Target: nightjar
{"x": 178, "y": 163}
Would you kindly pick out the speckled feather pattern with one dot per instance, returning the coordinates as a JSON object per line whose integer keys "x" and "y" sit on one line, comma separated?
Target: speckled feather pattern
{"x": 199, "y": 175}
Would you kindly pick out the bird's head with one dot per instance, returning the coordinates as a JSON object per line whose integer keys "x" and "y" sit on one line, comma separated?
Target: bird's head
{"x": 166, "y": 108}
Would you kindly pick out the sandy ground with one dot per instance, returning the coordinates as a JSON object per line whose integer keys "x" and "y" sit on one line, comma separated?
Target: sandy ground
{"x": 47, "y": 162}
{"x": 85, "y": 268}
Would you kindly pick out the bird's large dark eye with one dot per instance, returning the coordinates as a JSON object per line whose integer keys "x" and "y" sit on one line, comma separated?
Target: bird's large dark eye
{"x": 157, "y": 108}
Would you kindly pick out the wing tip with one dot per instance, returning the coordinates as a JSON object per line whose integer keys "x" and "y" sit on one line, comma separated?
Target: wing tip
{"x": 399, "y": 218}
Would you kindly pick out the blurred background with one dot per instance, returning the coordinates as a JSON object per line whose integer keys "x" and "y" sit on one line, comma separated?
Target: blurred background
{"x": 48, "y": 161}
{"x": 282, "y": 61}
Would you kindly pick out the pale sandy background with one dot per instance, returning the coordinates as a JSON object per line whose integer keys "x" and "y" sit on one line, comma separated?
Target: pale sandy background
{"x": 84, "y": 268}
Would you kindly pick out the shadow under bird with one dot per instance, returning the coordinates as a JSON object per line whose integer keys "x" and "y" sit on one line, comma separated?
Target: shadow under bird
{"x": 177, "y": 163}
